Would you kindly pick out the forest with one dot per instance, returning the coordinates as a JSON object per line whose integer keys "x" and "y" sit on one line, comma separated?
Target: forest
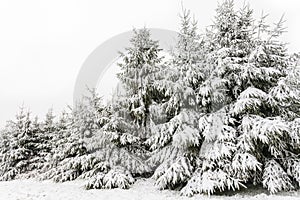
{"x": 220, "y": 113}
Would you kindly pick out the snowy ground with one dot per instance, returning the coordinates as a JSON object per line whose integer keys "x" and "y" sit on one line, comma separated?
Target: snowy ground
{"x": 141, "y": 190}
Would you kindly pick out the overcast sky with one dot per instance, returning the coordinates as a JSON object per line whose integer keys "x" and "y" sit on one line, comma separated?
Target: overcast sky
{"x": 44, "y": 43}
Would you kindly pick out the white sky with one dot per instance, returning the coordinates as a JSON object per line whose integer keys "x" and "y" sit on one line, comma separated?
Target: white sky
{"x": 44, "y": 43}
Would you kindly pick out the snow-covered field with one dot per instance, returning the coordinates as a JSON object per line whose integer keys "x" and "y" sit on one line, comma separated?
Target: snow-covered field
{"x": 142, "y": 189}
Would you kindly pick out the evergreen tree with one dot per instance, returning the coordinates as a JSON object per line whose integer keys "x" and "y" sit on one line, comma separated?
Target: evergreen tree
{"x": 177, "y": 139}
{"x": 247, "y": 133}
{"x": 126, "y": 124}
{"x": 70, "y": 156}
{"x": 85, "y": 150}
{"x": 45, "y": 131}
{"x": 20, "y": 147}
{"x": 140, "y": 64}
{"x": 130, "y": 119}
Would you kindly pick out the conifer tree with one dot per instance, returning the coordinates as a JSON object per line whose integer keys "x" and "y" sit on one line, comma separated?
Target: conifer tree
{"x": 247, "y": 132}
{"x": 140, "y": 64}
{"x": 177, "y": 139}
{"x": 127, "y": 120}
{"x": 70, "y": 154}
{"x": 20, "y": 147}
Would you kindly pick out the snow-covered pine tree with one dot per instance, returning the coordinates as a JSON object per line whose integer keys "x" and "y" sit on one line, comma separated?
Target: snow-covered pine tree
{"x": 59, "y": 132}
{"x": 20, "y": 147}
{"x": 140, "y": 64}
{"x": 228, "y": 43}
{"x": 278, "y": 105}
{"x": 118, "y": 145}
{"x": 127, "y": 124}
{"x": 44, "y": 131}
{"x": 176, "y": 141}
{"x": 80, "y": 149}
{"x": 86, "y": 120}
{"x": 42, "y": 147}
{"x": 71, "y": 156}
{"x": 247, "y": 133}
{"x": 52, "y": 134}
